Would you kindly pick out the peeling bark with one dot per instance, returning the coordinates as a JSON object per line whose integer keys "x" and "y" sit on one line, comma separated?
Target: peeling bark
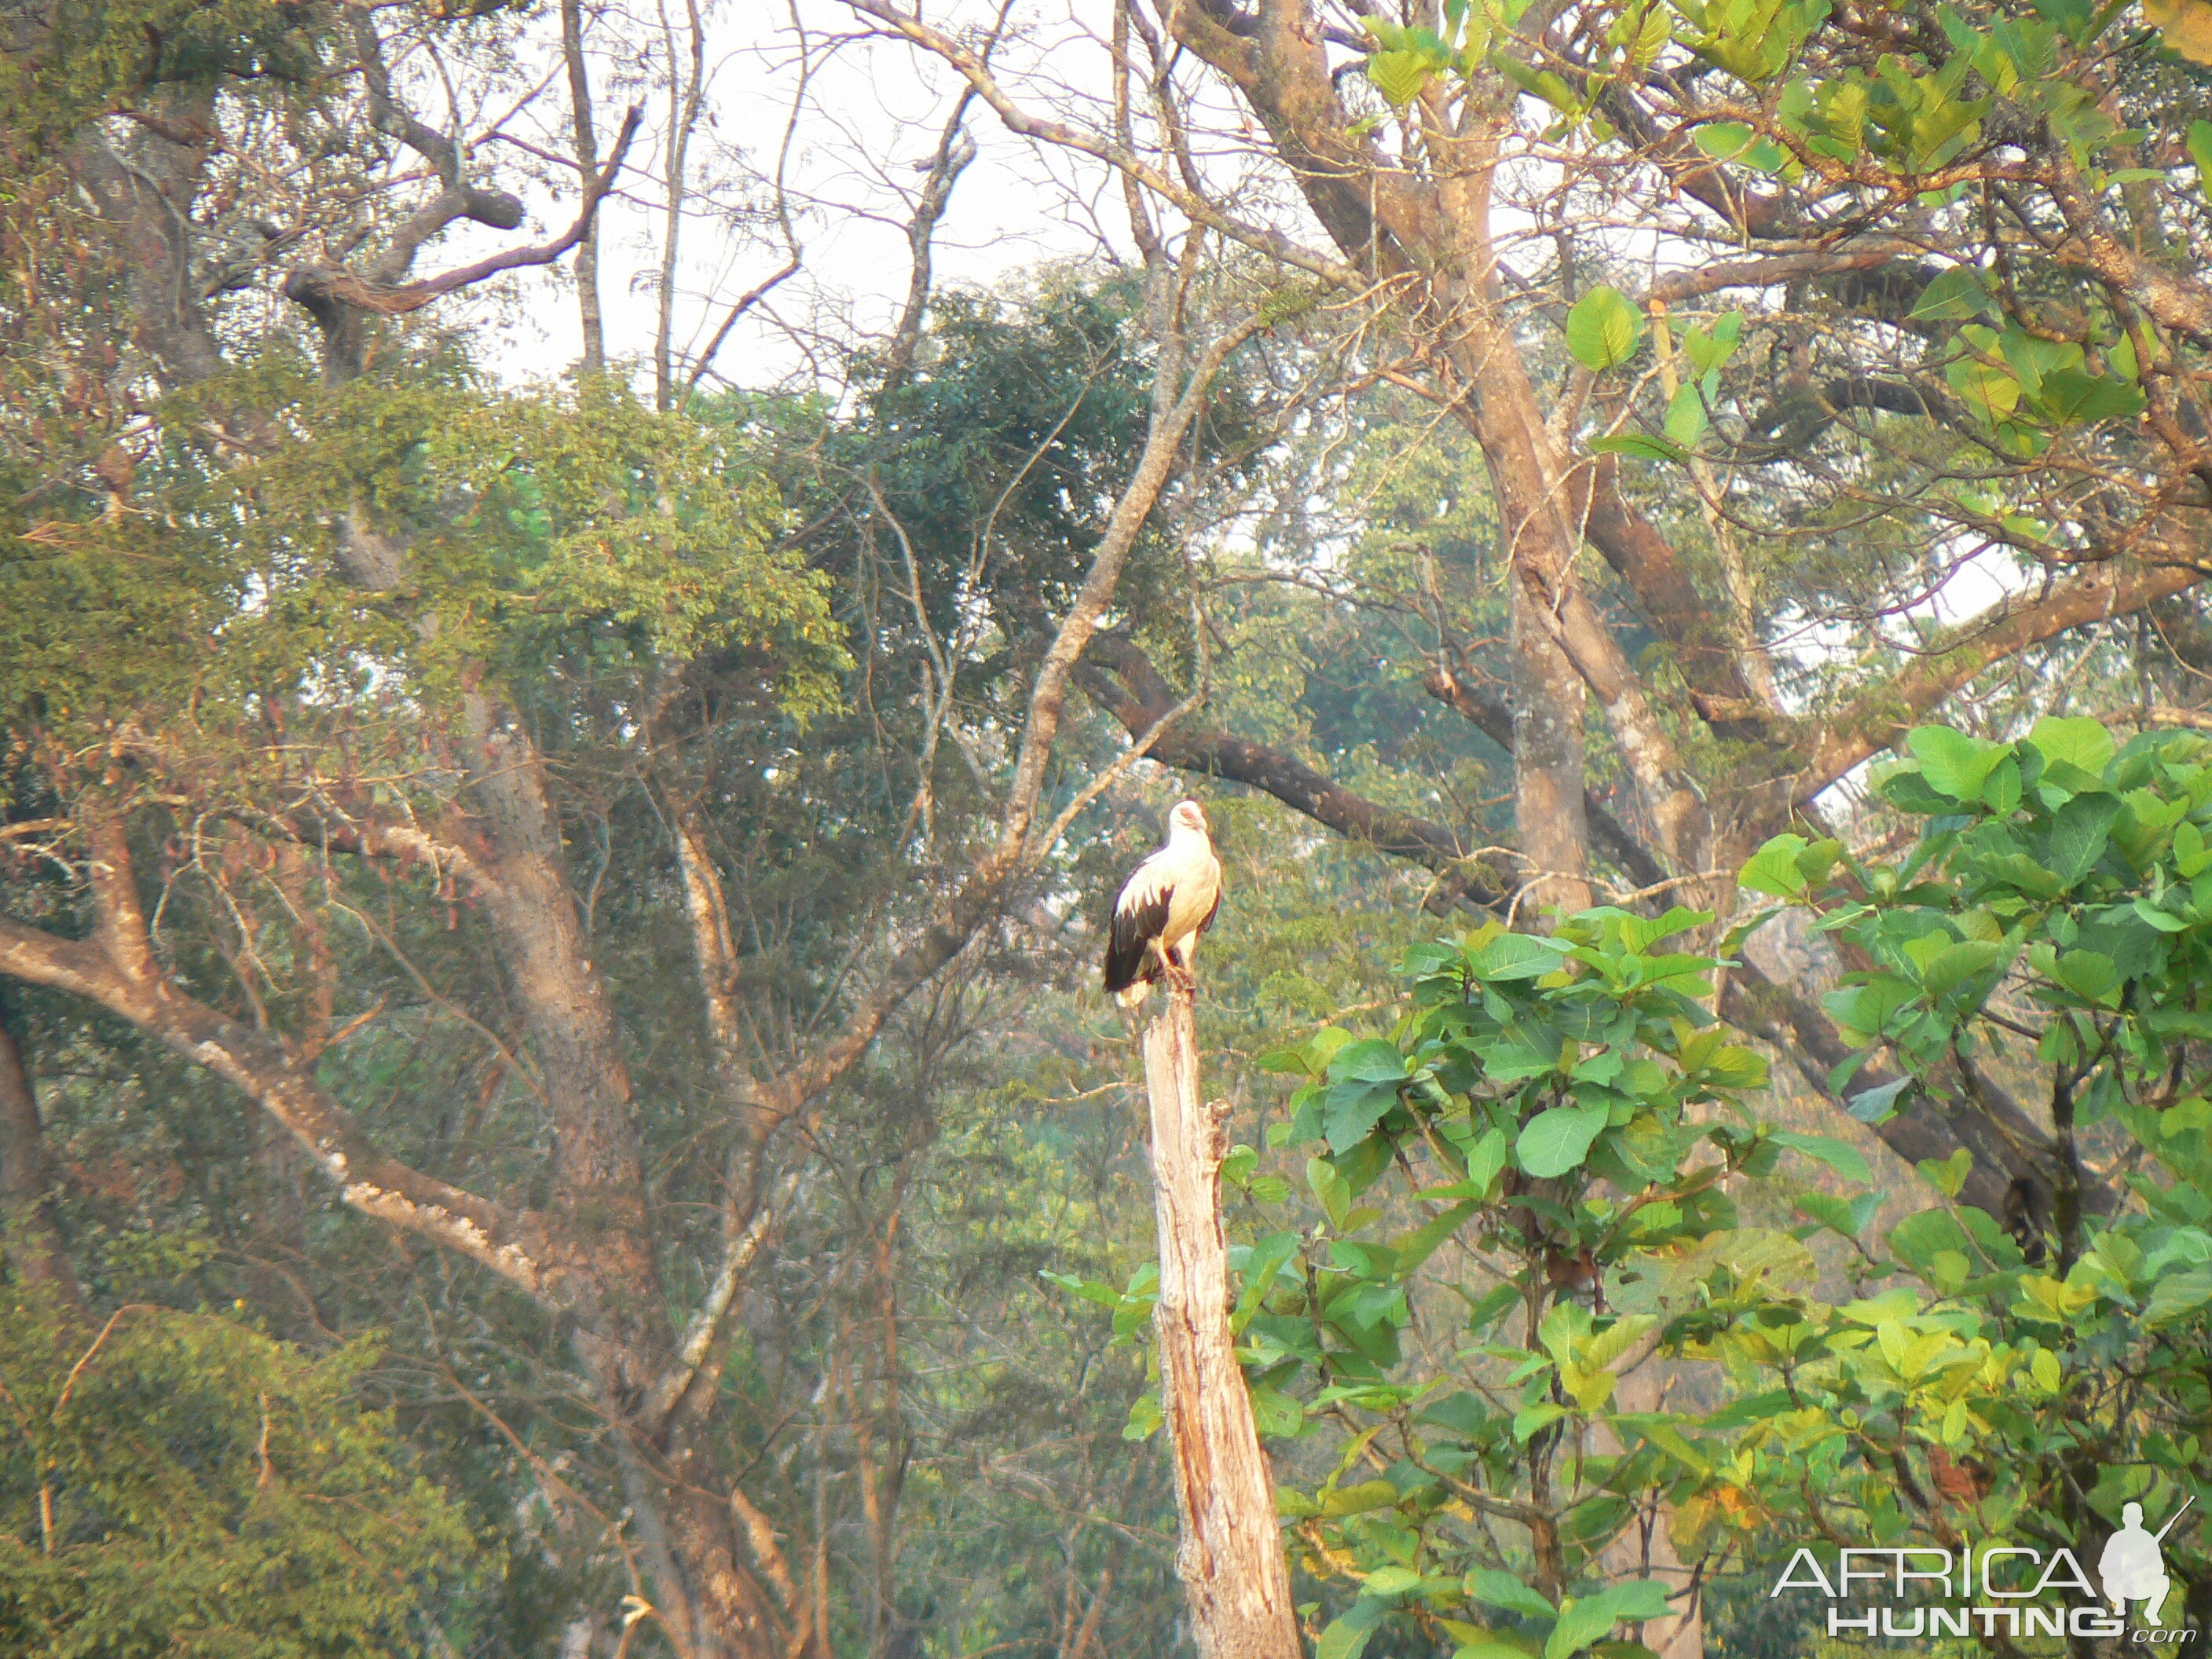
{"x": 1230, "y": 1557}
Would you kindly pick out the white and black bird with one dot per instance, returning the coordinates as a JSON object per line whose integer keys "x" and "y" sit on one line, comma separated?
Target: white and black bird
{"x": 1167, "y": 903}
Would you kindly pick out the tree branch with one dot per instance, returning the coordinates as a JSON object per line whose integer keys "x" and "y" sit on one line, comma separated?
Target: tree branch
{"x": 1121, "y": 680}
{"x": 321, "y": 289}
{"x": 1878, "y": 717}
{"x": 978, "y": 896}
{"x": 1260, "y": 239}
{"x": 369, "y": 1180}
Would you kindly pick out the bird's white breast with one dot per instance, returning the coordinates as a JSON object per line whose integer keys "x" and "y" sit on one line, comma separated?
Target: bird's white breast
{"x": 1188, "y": 866}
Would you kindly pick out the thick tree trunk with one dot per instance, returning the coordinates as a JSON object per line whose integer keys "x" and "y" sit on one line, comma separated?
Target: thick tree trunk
{"x": 1547, "y": 767}
{"x": 32, "y": 1241}
{"x": 1230, "y": 1559}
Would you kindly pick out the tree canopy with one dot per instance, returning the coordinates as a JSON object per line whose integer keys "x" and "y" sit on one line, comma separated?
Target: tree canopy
{"x": 564, "y": 767}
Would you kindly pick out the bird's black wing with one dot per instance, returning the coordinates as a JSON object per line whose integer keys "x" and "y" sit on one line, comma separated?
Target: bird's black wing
{"x": 1134, "y": 927}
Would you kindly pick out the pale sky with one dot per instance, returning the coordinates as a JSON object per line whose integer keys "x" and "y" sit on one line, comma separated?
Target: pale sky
{"x": 869, "y": 122}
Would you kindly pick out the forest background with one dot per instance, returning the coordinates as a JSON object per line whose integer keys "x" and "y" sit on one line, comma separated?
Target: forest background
{"x": 595, "y": 599}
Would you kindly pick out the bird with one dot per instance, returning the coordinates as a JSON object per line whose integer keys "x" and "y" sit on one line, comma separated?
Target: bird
{"x": 1168, "y": 901}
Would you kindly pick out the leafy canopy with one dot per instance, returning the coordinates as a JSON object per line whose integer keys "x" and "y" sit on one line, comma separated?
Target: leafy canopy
{"x": 177, "y": 1484}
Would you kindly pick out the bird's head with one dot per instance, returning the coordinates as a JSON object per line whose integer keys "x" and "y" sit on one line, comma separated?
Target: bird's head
{"x": 1189, "y": 816}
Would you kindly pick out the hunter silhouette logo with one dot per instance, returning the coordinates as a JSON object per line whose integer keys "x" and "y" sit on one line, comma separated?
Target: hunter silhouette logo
{"x": 1990, "y": 1588}
{"x": 2131, "y": 1566}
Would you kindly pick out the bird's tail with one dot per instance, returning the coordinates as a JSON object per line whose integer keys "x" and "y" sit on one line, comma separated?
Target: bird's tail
{"x": 1132, "y": 997}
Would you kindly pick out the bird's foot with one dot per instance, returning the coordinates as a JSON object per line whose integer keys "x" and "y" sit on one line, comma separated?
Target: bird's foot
{"x": 1183, "y": 980}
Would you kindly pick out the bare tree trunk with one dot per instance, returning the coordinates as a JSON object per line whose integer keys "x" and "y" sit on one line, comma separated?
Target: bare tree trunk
{"x": 595, "y": 360}
{"x": 1547, "y": 764}
{"x": 1230, "y": 1559}
{"x": 33, "y": 1243}
{"x": 685, "y": 92}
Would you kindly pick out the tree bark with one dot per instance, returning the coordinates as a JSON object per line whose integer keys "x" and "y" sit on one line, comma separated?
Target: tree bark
{"x": 33, "y": 1243}
{"x": 1547, "y": 765}
{"x": 1231, "y": 1558}
{"x": 587, "y": 138}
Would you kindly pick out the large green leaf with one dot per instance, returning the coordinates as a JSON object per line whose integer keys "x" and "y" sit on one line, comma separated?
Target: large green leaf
{"x": 1347, "y": 1638}
{"x": 1588, "y": 1620}
{"x": 1603, "y": 329}
{"x": 2071, "y": 397}
{"x": 1846, "y": 1161}
{"x": 2080, "y": 833}
{"x": 1773, "y": 868}
{"x": 1640, "y": 444}
{"x": 1553, "y": 1142}
{"x": 1954, "y": 296}
{"x": 1953, "y": 762}
{"x": 2075, "y": 740}
{"x": 1502, "y": 1590}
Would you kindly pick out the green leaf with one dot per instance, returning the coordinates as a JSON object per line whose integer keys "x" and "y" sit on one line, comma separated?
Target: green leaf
{"x": 1418, "y": 1246}
{"x": 1710, "y": 348}
{"x": 1954, "y": 762}
{"x": 1390, "y": 1580}
{"x": 2090, "y": 975}
{"x": 1485, "y": 1160}
{"x": 1518, "y": 956}
{"x": 1360, "y": 1499}
{"x": 1947, "y": 1176}
{"x": 1532, "y": 1419}
{"x": 1774, "y": 869}
{"x": 1603, "y": 329}
{"x": 1502, "y": 1589}
{"x": 1145, "y": 1419}
{"x": 1588, "y": 1620}
{"x": 2074, "y": 398}
{"x": 1089, "y": 1290}
{"x": 2079, "y": 835}
{"x": 1639, "y": 444}
{"x": 1347, "y": 1638}
{"x": 1350, "y": 1112}
{"x": 1880, "y": 1103}
{"x": 1687, "y": 419}
{"x": 2200, "y": 151}
{"x": 1555, "y": 1141}
{"x": 1372, "y": 1060}
{"x": 1955, "y": 965}
{"x": 1276, "y": 1415}
{"x": 1846, "y": 1161}
{"x": 2076, "y": 740}
{"x": 1723, "y": 140}
{"x": 1400, "y": 75}
{"x": 1954, "y": 295}
{"x": 1260, "y": 1269}
{"x": 1851, "y": 1219}
{"x": 1985, "y": 388}
{"x": 2176, "y": 1294}
{"x": 1331, "y": 1189}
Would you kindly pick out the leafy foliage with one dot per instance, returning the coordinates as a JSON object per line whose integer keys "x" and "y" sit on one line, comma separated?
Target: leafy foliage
{"x": 1548, "y": 1098}
{"x": 178, "y": 1483}
{"x": 2046, "y": 932}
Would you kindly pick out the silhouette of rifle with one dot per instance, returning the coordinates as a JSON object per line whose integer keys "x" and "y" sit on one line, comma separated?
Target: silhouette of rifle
{"x": 2159, "y": 1537}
